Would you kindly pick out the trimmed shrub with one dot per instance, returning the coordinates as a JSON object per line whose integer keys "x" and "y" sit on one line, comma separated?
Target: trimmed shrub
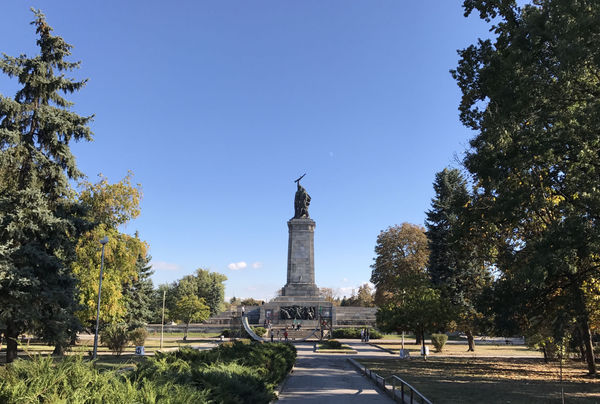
{"x": 233, "y": 372}
{"x": 239, "y": 333}
{"x": 374, "y": 334}
{"x": 71, "y": 380}
{"x": 438, "y": 341}
{"x": 355, "y": 333}
{"x": 138, "y": 336}
{"x": 115, "y": 337}
{"x": 331, "y": 344}
{"x": 260, "y": 331}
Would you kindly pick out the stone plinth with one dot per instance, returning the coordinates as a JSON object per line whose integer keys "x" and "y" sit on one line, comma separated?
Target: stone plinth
{"x": 301, "y": 259}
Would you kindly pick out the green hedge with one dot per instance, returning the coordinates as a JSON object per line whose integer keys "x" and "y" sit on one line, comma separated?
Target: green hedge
{"x": 260, "y": 331}
{"x": 73, "y": 381}
{"x": 234, "y": 372}
{"x": 331, "y": 344}
{"x": 354, "y": 333}
{"x": 237, "y": 371}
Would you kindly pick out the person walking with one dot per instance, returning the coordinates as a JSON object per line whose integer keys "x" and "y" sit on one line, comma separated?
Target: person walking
{"x": 362, "y": 335}
{"x": 271, "y": 335}
{"x": 285, "y": 335}
{"x": 243, "y": 311}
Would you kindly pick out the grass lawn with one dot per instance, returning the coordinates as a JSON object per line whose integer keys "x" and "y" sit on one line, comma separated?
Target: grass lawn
{"x": 180, "y": 335}
{"x": 491, "y": 380}
{"x": 345, "y": 349}
{"x": 106, "y": 358}
{"x": 461, "y": 350}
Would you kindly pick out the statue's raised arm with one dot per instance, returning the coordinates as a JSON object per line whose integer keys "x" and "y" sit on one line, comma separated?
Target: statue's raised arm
{"x": 301, "y": 201}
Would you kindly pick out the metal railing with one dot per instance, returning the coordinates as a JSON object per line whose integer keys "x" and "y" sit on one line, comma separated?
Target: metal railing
{"x": 399, "y": 389}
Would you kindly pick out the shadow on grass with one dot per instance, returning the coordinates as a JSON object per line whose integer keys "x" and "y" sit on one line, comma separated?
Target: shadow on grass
{"x": 498, "y": 380}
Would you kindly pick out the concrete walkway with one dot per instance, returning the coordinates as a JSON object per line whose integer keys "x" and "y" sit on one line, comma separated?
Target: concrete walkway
{"x": 324, "y": 378}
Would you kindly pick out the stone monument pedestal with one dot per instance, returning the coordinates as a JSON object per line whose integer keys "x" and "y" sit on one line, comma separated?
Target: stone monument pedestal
{"x": 300, "y": 299}
{"x": 301, "y": 259}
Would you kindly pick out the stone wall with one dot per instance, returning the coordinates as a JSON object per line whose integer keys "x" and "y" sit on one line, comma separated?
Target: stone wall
{"x": 345, "y": 316}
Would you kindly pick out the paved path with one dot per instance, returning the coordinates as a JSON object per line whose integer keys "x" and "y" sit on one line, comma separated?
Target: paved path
{"x": 324, "y": 378}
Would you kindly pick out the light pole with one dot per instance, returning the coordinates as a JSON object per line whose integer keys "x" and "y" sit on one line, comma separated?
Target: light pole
{"x": 103, "y": 242}
{"x": 162, "y": 324}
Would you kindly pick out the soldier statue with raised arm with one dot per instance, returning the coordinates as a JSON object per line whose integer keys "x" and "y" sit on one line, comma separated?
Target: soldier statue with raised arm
{"x": 301, "y": 201}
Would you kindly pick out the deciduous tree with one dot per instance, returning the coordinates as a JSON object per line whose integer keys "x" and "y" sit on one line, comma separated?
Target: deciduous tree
{"x": 404, "y": 294}
{"x": 532, "y": 94}
{"x": 108, "y": 206}
{"x": 190, "y": 308}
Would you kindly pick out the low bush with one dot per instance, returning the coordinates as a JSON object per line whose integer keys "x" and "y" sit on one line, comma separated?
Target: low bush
{"x": 239, "y": 333}
{"x": 115, "y": 337}
{"x": 354, "y": 333}
{"x": 138, "y": 336}
{"x": 260, "y": 331}
{"x": 233, "y": 372}
{"x": 73, "y": 381}
{"x": 346, "y": 333}
{"x": 374, "y": 334}
{"x": 331, "y": 344}
{"x": 438, "y": 341}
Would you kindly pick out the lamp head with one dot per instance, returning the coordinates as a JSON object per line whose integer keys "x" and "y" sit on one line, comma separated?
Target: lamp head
{"x": 104, "y": 240}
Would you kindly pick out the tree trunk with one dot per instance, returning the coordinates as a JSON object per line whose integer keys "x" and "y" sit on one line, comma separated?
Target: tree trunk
{"x": 589, "y": 347}
{"x": 470, "y": 341}
{"x": 545, "y": 353}
{"x": 59, "y": 350}
{"x": 417, "y": 338}
{"x": 580, "y": 345}
{"x": 11, "y": 335}
{"x": 185, "y": 331}
{"x": 584, "y": 329}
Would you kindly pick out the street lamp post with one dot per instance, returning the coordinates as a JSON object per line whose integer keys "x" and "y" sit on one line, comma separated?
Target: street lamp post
{"x": 103, "y": 242}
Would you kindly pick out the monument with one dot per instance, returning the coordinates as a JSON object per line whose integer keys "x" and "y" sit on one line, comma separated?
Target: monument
{"x": 300, "y": 300}
{"x": 301, "y": 249}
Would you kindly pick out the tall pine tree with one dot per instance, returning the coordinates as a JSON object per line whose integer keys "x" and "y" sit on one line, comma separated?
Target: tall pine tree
{"x": 38, "y": 221}
{"x": 454, "y": 266}
{"x": 138, "y": 294}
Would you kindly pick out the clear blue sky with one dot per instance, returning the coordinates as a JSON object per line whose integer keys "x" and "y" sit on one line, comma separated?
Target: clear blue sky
{"x": 217, "y": 106}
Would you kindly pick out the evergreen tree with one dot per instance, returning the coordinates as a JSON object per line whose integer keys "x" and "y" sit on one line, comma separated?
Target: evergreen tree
{"x": 454, "y": 266}
{"x": 138, "y": 295}
{"x": 38, "y": 220}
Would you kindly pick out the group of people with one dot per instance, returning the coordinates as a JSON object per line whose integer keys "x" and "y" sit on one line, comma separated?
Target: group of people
{"x": 364, "y": 335}
{"x": 279, "y": 336}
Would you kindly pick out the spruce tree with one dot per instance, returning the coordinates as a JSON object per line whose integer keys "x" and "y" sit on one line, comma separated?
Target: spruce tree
{"x": 138, "y": 294}
{"x": 454, "y": 266}
{"x": 38, "y": 220}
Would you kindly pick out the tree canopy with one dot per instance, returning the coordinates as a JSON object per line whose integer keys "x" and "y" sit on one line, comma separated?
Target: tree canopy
{"x": 108, "y": 205}
{"x": 404, "y": 294}
{"x": 532, "y": 95}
